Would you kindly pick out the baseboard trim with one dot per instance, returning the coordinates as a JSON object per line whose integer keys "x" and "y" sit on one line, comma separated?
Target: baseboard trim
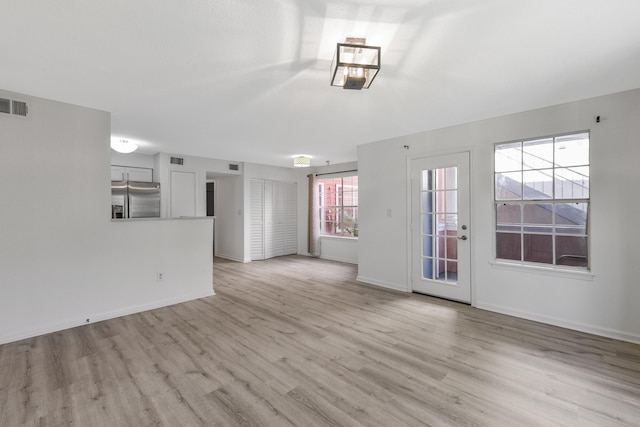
{"x": 332, "y": 258}
{"x": 231, "y": 258}
{"x": 381, "y": 284}
{"x": 98, "y": 317}
{"x": 576, "y": 326}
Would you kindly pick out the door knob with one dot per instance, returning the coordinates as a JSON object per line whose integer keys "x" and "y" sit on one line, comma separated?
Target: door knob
{"x": 463, "y": 237}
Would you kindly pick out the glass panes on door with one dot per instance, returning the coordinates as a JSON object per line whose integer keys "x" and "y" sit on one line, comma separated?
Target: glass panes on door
{"x": 439, "y": 224}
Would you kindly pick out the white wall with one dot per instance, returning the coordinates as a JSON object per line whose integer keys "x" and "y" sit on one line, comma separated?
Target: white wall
{"x": 343, "y": 249}
{"x": 605, "y": 303}
{"x": 137, "y": 160}
{"x": 200, "y": 166}
{"x": 62, "y": 259}
{"x": 228, "y": 196}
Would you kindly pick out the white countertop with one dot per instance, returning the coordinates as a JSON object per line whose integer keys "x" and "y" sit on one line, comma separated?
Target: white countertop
{"x": 181, "y": 218}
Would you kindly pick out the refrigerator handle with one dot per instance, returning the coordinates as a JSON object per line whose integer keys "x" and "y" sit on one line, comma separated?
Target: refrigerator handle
{"x": 125, "y": 209}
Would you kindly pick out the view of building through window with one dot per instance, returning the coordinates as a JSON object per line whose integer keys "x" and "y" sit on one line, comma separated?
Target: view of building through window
{"x": 439, "y": 218}
{"x": 542, "y": 200}
{"x": 338, "y": 202}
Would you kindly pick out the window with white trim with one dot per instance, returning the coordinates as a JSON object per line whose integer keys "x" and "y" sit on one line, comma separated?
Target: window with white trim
{"x": 338, "y": 204}
{"x": 542, "y": 200}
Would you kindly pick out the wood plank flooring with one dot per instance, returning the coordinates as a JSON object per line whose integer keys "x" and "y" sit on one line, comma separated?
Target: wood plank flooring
{"x": 295, "y": 341}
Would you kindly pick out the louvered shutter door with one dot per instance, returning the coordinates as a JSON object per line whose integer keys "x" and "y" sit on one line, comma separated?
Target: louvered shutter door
{"x": 257, "y": 219}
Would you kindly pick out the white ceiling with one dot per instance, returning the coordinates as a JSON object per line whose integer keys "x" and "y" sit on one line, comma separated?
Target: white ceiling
{"x": 248, "y": 80}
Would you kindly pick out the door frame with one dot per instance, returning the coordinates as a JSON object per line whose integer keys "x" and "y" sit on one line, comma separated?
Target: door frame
{"x": 472, "y": 203}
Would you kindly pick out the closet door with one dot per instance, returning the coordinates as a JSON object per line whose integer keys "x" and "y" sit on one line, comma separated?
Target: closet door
{"x": 290, "y": 192}
{"x": 279, "y": 209}
{"x": 274, "y": 225}
{"x": 257, "y": 219}
{"x": 269, "y": 223}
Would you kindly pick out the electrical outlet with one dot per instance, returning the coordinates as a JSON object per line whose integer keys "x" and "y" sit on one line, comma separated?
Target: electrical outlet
{"x": 159, "y": 277}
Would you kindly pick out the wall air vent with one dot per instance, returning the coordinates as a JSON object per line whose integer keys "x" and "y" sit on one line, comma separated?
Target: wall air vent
{"x": 13, "y": 108}
{"x": 177, "y": 161}
{"x": 233, "y": 167}
{"x": 19, "y": 108}
{"x": 5, "y": 106}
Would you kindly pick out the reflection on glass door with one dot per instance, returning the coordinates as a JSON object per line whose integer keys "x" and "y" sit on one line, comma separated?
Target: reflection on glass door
{"x": 439, "y": 214}
{"x": 441, "y": 250}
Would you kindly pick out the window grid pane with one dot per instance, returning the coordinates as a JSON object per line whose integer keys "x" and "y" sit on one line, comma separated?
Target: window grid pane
{"x": 508, "y": 185}
{"x": 338, "y": 201}
{"x": 438, "y": 207}
{"x": 542, "y": 200}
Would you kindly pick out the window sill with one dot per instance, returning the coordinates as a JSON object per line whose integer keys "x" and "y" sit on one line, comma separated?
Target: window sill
{"x": 549, "y": 271}
{"x": 329, "y": 236}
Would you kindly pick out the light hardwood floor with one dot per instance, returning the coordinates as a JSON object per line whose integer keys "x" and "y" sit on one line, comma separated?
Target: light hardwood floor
{"x": 294, "y": 341}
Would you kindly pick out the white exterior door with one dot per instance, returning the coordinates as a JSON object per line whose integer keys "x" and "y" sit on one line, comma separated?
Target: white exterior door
{"x": 441, "y": 252}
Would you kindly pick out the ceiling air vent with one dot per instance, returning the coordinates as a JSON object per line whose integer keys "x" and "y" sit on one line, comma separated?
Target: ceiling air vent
{"x": 13, "y": 107}
{"x": 177, "y": 161}
{"x": 233, "y": 167}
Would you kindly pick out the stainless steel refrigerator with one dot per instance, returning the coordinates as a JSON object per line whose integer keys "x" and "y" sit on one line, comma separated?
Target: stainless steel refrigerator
{"x": 135, "y": 199}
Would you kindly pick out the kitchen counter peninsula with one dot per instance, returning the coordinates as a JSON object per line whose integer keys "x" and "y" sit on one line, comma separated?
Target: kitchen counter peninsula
{"x": 181, "y": 218}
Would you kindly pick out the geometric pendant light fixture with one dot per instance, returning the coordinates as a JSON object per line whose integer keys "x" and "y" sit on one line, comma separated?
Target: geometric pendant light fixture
{"x": 355, "y": 64}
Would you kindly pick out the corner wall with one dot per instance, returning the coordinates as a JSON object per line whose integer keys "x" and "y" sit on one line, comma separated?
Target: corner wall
{"x": 605, "y": 303}
{"x": 62, "y": 259}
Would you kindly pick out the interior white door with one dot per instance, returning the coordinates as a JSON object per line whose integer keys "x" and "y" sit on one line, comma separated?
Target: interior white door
{"x": 441, "y": 252}
{"x": 290, "y": 190}
{"x": 257, "y": 219}
{"x": 269, "y": 221}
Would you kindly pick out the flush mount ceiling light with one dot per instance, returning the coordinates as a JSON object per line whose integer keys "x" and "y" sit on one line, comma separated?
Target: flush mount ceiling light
{"x": 123, "y": 146}
{"x": 301, "y": 161}
{"x": 355, "y": 64}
